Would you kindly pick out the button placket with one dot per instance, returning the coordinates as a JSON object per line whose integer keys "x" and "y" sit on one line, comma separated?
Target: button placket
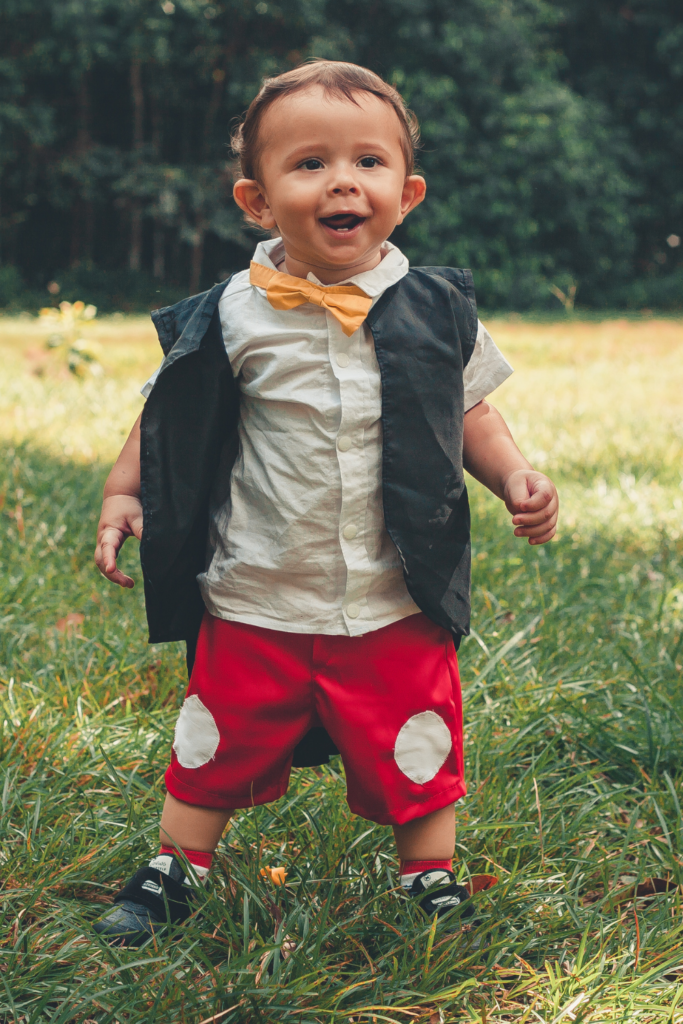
{"x": 354, "y": 398}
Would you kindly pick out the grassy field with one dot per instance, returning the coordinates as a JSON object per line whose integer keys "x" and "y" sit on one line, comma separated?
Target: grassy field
{"x": 574, "y": 732}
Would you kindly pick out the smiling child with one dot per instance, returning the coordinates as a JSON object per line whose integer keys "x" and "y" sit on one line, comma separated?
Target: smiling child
{"x": 296, "y": 479}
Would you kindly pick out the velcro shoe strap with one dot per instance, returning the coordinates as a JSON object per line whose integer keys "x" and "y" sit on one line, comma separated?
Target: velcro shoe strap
{"x": 156, "y": 891}
{"x": 446, "y": 898}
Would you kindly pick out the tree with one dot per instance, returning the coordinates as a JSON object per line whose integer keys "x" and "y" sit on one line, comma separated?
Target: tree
{"x": 628, "y": 57}
{"x": 551, "y": 136}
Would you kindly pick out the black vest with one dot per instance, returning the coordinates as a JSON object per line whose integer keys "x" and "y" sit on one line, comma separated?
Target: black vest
{"x": 424, "y": 329}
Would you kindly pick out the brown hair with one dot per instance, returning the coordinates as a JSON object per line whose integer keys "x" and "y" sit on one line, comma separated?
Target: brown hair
{"x": 338, "y": 79}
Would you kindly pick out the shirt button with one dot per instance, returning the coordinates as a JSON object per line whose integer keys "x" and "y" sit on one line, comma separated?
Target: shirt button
{"x": 344, "y": 443}
{"x": 353, "y": 611}
{"x": 350, "y": 531}
{"x": 343, "y": 359}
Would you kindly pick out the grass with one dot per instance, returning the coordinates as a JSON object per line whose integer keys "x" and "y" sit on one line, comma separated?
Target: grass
{"x": 572, "y": 686}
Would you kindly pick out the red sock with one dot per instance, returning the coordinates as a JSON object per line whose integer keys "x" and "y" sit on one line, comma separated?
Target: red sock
{"x": 408, "y": 869}
{"x": 199, "y": 860}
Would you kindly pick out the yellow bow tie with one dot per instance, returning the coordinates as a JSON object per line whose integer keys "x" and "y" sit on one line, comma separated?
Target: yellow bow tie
{"x": 346, "y": 302}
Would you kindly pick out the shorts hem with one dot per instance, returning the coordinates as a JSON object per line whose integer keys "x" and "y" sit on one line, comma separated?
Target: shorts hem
{"x": 403, "y": 815}
{"x": 200, "y": 798}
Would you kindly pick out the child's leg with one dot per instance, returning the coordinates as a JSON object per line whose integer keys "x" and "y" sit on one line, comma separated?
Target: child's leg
{"x": 425, "y": 848}
{"x": 391, "y": 702}
{"x": 194, "y": 831}
{"x": 254, "y": 686}
{"x": 163, "y": 884}
{"x": 431, "y": 838}
{"x": 192, "y": 828}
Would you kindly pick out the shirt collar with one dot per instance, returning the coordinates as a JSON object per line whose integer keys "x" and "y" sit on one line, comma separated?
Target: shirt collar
{"x": 393, "y": 266}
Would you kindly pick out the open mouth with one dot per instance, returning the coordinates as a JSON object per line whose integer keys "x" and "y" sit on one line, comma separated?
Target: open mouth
{"x": 342, "y": 222}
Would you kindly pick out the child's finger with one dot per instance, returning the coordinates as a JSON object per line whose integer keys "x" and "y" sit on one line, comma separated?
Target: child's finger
{"x": 517, "y": 492}
{"x": 536, "y": 531}
{"x": 121, "y": 579}
{"x": 544, "y": 538}
{"x": 535, "y": 518}
{"x": 109, "y": 549}
{"x": 106, "y": 555}
{"x": 538, "y": 500}
{"x": 116, "y": 576}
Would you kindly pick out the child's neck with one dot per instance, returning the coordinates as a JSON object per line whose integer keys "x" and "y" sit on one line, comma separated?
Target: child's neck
{"x": 325, "y": 273}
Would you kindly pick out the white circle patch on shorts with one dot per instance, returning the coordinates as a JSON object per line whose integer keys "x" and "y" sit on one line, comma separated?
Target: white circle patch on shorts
{"x": 196, "y": 734}
{"x": 422, "y": 746}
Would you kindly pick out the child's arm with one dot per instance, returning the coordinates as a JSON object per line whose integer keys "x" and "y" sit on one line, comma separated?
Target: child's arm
{"x": 121, "y": 509}
{"x": 492, "y": 457}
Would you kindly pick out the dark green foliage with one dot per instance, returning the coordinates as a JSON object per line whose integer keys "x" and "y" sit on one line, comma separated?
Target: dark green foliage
{"x": 629, "y": 57}
{"x": 553, "y": 138}
{"x": 574, "y": 749}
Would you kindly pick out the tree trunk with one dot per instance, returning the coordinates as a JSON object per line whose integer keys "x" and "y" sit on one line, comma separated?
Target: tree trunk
{"x": 76, "y": 233}
{"x": 88, "y": 232}
{"x": 159, "y": 253}
{"x": 83, "y": 140}
{"x": 174, "y": 272}
{"x": 156, "y": 117}
{"x": 212, "y": 108}
{"x": 83, "y": 215}
{"x": 137, "y": 96}
{"x": 196, "y": 261}
{"x": 135, "y": 251}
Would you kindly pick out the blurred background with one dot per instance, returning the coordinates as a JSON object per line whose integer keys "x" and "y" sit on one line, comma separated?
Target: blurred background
{"x": 552, "y": 142}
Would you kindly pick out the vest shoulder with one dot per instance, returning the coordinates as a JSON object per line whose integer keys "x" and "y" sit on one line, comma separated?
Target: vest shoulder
{"x": 461, "y": 279}
{"x": 453, "y": 285}
{"x": 458, "y": 285}
{"x": 171, "y": 321}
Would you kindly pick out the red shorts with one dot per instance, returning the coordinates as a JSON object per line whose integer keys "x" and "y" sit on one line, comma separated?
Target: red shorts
{"x": 390, "y": 700}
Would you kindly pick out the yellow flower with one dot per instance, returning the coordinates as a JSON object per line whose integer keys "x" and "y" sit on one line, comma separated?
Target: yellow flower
{"x": 276, "y": 875}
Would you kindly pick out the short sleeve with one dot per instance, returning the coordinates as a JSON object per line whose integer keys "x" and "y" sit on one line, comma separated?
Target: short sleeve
{"x": 486, "y": 370}
{"x": 146, "y": 388}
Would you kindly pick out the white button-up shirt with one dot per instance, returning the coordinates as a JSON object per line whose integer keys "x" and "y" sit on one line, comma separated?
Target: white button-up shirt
{"x": 300, "y": 545}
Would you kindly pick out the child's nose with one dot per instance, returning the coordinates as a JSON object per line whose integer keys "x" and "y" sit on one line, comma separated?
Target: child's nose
{"x": 343, "y": 182}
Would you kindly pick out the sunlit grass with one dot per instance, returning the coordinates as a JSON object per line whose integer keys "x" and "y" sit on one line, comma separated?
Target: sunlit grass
{"x": 84, "y": 420}
{"x": 600, "y": 404}
{"x": 574, "y": 732}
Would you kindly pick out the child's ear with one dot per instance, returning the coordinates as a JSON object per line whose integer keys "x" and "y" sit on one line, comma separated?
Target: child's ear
{"x": 250, "y": 197}
{"x": 414, "y": 188}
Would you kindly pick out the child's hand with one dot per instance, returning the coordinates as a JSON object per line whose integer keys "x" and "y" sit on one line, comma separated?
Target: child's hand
{"x": 121, "y": 517}
{"x": 532, "y": 499}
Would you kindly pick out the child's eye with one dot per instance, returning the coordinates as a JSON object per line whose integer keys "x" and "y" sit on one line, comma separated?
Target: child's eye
{"x": 369, "y": 161}
{"x": 312, "y": 165}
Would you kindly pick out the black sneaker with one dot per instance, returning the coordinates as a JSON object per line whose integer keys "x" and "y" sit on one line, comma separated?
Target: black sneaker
{"x": 437, "y": 892}
{"x": 157, "y": 894}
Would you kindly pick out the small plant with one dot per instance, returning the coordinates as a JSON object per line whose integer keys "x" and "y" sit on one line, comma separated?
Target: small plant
{"x": 566, "y": 298}
{"x": 66, "y": 324}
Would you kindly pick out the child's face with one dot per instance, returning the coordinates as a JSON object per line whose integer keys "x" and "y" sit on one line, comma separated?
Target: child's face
{"x": 333, "y": 180}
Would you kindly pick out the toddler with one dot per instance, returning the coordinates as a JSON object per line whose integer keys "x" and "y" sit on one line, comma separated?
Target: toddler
{"x": 297, "y": 482}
